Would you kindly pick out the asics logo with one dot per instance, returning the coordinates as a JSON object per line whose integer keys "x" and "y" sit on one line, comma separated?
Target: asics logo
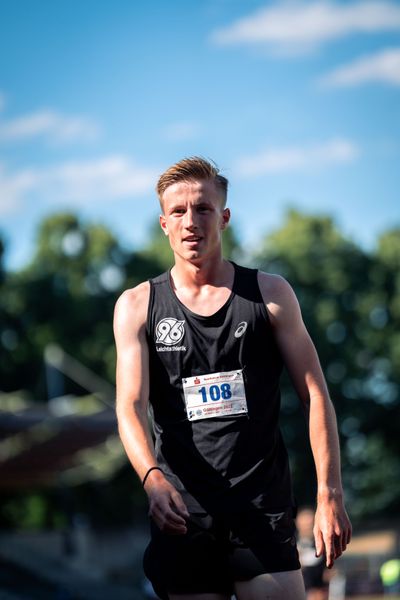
{"x": 241, "y": 328}
{"x": 169, "y": 331}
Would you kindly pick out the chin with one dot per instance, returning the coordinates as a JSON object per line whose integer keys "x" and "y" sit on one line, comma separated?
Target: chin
{"x": 193, "y": 257}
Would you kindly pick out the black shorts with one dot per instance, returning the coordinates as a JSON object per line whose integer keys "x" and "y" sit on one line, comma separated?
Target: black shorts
{"x": 217, "y": 551}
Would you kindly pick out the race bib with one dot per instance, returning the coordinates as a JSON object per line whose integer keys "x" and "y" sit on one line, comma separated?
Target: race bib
{"x": 215, "y": 395}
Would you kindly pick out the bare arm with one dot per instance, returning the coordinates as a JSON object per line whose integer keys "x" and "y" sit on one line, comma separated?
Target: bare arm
{"x": 166, "y": 505}
{"x": 332, "y": 529}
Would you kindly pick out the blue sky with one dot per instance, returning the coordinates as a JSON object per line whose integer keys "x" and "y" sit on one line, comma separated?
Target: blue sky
{"x": 297, "y": 102}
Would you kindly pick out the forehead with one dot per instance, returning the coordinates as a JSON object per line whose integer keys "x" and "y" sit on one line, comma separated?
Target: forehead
{"x": 192, "y": 191}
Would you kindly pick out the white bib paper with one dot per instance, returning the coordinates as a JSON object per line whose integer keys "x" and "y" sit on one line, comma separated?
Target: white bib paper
{"x": 215, "y": 395}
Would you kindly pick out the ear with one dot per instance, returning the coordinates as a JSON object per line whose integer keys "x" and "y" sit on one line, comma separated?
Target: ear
{"x": 226, "y": 216}
{"x": 163, "y": 224}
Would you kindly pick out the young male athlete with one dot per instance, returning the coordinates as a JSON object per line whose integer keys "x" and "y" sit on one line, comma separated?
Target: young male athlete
{"x": 204, "y": 345}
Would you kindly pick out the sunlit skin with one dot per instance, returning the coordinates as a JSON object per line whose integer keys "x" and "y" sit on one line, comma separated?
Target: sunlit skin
{"x": 194, "y": 218}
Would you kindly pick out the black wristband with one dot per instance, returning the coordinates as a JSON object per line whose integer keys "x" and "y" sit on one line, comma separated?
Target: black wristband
{"x": 148, "y": 473}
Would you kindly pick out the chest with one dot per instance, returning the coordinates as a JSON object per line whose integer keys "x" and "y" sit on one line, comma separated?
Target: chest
{"x": 205, "y": 303}
{"x": 188, "y": 344}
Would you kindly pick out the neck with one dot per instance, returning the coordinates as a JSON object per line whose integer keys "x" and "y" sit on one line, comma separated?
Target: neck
{"x": 211, "y": 271}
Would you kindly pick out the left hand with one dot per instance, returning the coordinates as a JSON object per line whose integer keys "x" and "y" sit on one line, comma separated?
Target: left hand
{"x": 332, "y": 529}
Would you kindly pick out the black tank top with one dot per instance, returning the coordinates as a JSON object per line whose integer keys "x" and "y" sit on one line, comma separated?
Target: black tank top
{"x": 225, "y": 462}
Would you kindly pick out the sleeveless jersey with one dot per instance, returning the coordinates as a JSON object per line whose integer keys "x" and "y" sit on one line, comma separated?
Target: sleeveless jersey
{"x": 225, "y": 462}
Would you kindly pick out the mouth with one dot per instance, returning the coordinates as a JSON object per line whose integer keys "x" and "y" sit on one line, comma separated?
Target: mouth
{"x": 191, "y": 239}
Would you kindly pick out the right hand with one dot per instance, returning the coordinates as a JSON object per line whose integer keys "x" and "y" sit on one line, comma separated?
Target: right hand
{"x": 167, "y": 508}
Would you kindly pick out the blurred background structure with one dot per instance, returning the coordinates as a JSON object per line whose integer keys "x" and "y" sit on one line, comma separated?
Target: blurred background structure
{"x": 299, "y": 105}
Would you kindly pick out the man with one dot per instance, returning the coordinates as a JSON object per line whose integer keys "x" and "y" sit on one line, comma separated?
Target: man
{"x": 204, "y": 345}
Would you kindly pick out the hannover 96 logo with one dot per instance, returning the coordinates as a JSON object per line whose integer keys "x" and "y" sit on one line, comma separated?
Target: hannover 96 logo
{"x": 169, "y": 331}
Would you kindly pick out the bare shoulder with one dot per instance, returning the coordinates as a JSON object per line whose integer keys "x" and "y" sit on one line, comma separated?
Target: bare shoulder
{"x": 131, "y": 308}
{"x": 274, "y": 288}
{"x": 278, "y": 295}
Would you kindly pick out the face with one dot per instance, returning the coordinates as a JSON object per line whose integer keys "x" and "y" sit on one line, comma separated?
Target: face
{"x": 194, "y": 218}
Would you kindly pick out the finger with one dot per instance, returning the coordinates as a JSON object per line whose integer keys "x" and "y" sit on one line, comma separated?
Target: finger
{"x": 338, "y": 546}
{"x": 346, "y": 537}
{"x": 330, "y": 561}
{"x": 172, "y": 518}
{"x": 162, "y": 513}
{"x": 349, "y": 534}
{"x": 170, "y": 528}
{"x": 180, "y": 506}
{"x": 342, "y": 546}
{"x": 330, "y": 552}
{"x": 319, "y": 544}
{"x": 344, "y": 540}
{"x": 174, "y": 529}
{"x": 169, "y": 522}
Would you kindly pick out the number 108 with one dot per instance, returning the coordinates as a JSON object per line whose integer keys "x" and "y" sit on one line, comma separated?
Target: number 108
{"x": 216, "y": 392}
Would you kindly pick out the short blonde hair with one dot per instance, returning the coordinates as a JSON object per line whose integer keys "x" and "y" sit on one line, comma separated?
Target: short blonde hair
{"x": 193, "y": 168}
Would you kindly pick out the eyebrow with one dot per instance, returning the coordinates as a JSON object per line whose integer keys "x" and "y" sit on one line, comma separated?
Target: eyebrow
{"x": 175, "y": 206}
{"x": 200, "y": 202}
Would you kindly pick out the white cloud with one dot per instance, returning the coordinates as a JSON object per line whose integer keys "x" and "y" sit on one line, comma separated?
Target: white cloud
{"x": 297, "y": 158}
{"x": 181, "y": 132}
{"x": 298, "y": 27}
{"x": 380, "y": 67}
{"x": 51, "y": 124}
{"x": 13, "y": 186}
{"x": 106, "y": 179}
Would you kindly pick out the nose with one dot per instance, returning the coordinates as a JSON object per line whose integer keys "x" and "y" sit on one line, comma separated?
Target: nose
{"x": 190, "y": 219}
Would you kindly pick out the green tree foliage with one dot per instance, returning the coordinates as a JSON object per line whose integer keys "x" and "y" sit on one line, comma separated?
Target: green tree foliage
{"x": 2, "y": 249}
{"x": 349, "y": 304}
{"x": 158, "y": 248}
{"x": 66, "y": 296}
{"x": 350, "y": 300}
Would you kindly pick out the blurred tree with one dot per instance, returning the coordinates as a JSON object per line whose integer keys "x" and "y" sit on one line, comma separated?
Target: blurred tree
{"x": 350, "y": 303}
{"x": 2, "y": 251}
{"x": 66, "y": 296}
{"x": 158, "y": 248}
{"x": 231, "y": 248}
{"x": 346, "y": 298}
